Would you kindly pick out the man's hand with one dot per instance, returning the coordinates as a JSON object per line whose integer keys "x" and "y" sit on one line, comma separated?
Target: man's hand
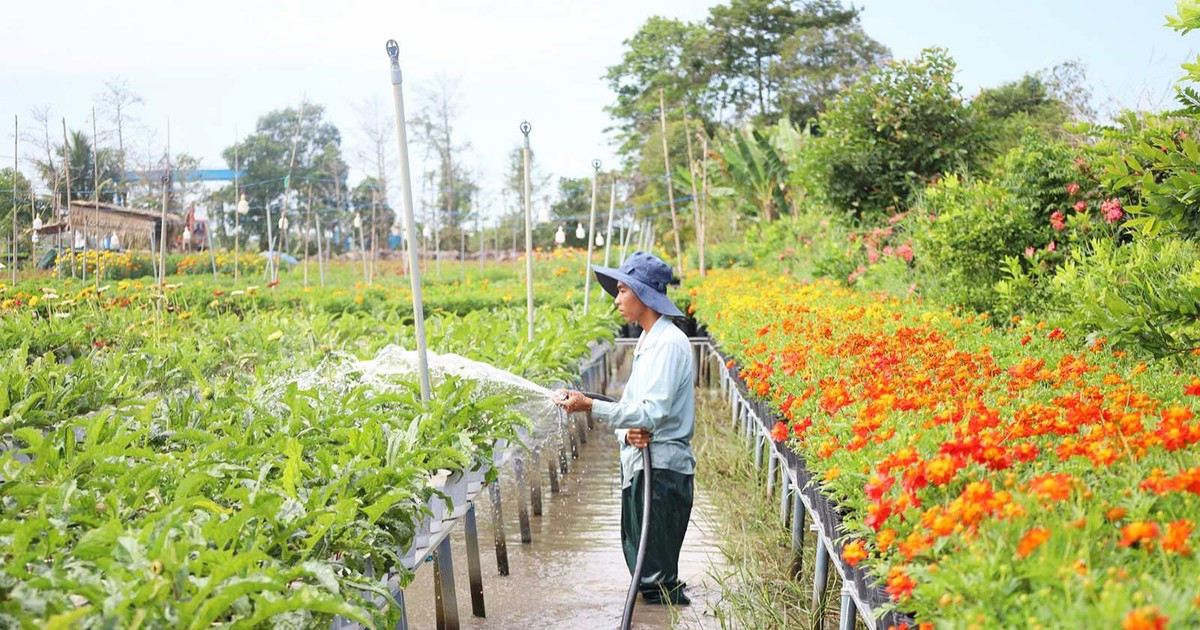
{"x": 572, "y": 401}
{"x": 639, "y": 438}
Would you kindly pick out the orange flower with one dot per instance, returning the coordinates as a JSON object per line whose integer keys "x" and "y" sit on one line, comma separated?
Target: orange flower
{"x": 1052, "y": 487}
{"x": 1192, "y": 389}
{"x": 1032, "y": 539}
{"x": 1147, "y": 618}
{"x": 1176, "y": 538}
{"x": 854, "y": 553}
{"x": 1115, "y": 513}
{"x": 779, "y": 432}
{"x": 884, "y": 539}
{"x": 1140, "y": 533}
{"x": 899, "y": 585}
{"x": 1056, "y": 334}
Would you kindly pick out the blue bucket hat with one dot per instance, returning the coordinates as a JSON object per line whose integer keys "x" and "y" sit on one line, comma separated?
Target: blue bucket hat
{"x": 648, "y": 276}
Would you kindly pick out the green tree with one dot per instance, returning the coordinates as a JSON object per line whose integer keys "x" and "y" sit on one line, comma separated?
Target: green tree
{"x": 899, "y": 127}
{"x": 818, "y": 62}
{"x": 751, "y": 39}
{"x": 668, "y": 54}
{"x": 265, "y": 156}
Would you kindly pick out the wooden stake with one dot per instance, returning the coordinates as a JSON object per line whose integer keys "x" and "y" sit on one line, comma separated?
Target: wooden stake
{"x": 695, "y": 195}
{"x": 662, "y": 113}
{"x": 67, "y": 167}
{"x": 307, "y": 226}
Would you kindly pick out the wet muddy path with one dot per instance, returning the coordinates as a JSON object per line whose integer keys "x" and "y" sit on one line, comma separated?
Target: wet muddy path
{"x": 573, "y": 574}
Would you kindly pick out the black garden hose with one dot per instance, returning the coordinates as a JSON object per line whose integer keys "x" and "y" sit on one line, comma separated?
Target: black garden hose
{"x": 644, "y": 538}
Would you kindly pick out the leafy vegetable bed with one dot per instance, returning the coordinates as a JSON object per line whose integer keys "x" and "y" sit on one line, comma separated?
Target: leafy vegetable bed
{"x": 176, "y": 468}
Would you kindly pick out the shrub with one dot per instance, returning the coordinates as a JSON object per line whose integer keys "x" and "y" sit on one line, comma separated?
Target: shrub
{"x": 1144, "y": 294}
{"x": 961, "y": 232}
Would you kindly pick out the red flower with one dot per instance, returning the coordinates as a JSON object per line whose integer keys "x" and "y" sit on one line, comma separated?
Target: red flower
{"x": 1056, "y": 221}
{"x": 1072, "y": 188}
{"x": 1056, "y": 334}
{"x": 1081, "y": 206}
{"x": 1112, "y": 211}
{"x": 1193, "y": 389}
{"x": 779, "y": 432}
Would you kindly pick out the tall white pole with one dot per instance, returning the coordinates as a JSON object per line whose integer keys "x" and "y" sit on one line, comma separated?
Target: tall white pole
{"x": 287, "y": 193}
{"x": 612, "y": 206}
{"x": 13, "y": 258}
{"x": 410, "y": 225}
{"x": 237, "y": 197}
{"x": 591, "y": 239}
{"x": 525, "y": 129}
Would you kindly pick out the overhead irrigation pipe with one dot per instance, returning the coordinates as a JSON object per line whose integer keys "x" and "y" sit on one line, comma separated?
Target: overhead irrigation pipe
{"x": 587, "y": 273}
{"x": 525, "y": 129}
{"x": 410, "y": 225}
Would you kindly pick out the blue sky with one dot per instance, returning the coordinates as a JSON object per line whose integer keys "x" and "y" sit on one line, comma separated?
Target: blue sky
{"x": 214, "y": 67}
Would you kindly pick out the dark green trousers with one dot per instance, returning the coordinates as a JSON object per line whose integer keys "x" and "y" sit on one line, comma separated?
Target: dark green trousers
{"x": 670, "y": 509}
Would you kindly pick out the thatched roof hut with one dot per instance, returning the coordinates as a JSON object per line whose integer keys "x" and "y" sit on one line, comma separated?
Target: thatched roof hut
{"x": 135, "y": 228}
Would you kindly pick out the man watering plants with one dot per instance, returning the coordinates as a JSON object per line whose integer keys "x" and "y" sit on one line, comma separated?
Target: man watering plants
{"x": 656, "y": 411}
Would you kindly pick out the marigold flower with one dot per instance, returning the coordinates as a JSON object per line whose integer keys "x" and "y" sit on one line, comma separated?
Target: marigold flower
{"x": 1052, "y": 487}
{"x": 1032, "y": 539}
{"x": 1056, "y": 334}
{"x": 1115, "y": 513}
{"x": 1176, "y": 538}
{"x": 1140, "y": 533}
{"x": 1192, "y": 389}
{"x": 853, "y": 553}
{"x": 885, "y": 539}
{"x": 779, "y": 432}
{"x": 899, "y": 584}
{"x": 1146, "y": 618}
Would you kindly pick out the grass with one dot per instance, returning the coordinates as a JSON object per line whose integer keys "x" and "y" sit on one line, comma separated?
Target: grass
{"x": 764, "y": 583}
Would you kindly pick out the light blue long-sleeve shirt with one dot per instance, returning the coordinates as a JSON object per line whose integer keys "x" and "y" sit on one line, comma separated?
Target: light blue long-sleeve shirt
{"x": 659, "y": 397}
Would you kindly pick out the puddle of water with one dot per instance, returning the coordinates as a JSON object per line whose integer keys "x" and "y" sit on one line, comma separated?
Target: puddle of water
{"x": 573, "y": 574}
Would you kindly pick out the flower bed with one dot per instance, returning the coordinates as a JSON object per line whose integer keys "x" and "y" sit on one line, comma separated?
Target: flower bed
{"x": 990, "y": 475}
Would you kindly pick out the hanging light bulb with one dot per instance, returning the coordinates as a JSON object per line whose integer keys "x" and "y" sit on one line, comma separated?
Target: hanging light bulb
{"x": 35, "y": 238}
{"x": 187, "y": 234}
{"x": 283, "y": 222}
{"x": 579, "y": 233}
{"x": 560, "y": 236}
{"x": 243, "y": 206}
{"x": 599, "y": 240}
{"x": 425, "y": 232}
{"x": 357, "y": 221}
{"x": 37, "y": 223}
{"x": 114, "y": 242}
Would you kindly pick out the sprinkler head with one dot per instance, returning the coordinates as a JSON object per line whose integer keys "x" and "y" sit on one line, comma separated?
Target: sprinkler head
{"x": 393, "y": 50}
